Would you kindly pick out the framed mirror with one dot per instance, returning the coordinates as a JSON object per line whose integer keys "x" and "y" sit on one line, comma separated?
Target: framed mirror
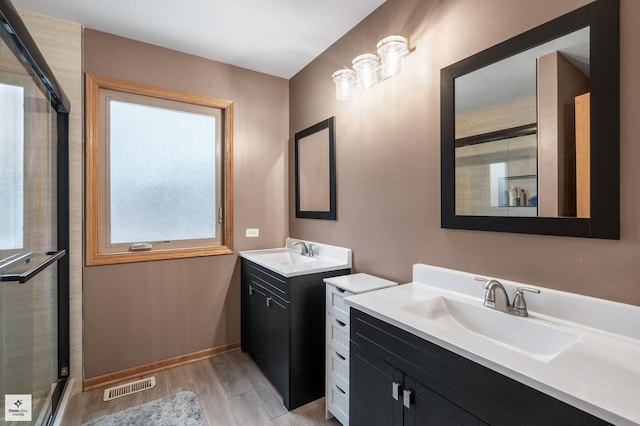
{"x": 530, "y": 131}
{"x": 315, "y": 171}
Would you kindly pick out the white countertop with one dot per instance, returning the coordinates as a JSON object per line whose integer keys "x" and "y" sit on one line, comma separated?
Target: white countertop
{"x": 359, "y": 283}
{"x": 326, "y": 258}
{"x": 599, "y": 373}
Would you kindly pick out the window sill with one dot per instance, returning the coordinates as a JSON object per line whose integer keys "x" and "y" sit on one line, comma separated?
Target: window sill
{"x": 94, "y": 259}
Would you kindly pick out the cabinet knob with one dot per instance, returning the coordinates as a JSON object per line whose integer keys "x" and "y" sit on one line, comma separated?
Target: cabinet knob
{"x": 396, "y": 387}
{"x": 406, "y": 398}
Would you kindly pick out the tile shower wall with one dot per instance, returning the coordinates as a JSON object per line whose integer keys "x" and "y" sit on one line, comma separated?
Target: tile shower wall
{"x": 61, "y": 44}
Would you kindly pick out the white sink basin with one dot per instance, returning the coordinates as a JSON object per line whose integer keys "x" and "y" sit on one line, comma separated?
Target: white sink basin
{"x": 288, "y": 258}
{"x": 287, "y": 261}
{"x": 524, "y": 335}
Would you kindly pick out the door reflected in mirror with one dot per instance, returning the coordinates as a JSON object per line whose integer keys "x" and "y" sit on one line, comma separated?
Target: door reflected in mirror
{"x": 516, "y": 133}
{"x": 315, "y": 171}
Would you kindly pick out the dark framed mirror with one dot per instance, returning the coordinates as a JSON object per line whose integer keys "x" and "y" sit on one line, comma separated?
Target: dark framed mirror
{"x": 530, "y": 131}
{"x": 315, "y": 159}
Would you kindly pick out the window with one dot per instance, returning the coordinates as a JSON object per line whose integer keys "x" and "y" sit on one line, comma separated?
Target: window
{"x": 159, "y": 181}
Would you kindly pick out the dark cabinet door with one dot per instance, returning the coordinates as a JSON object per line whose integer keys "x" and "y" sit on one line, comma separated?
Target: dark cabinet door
{"x": 371, "y": 399}
{"x": 268, "y": 328}
{"x": 245, "y": 312}
{"x": 429, "y": 408}
{"x": 383, "y": 395}
{"x": 278, "y": 343}
{"x": 259, "y": 326}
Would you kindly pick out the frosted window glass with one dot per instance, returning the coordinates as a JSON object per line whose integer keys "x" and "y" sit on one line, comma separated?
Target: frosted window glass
{"x": 11, "y": 166}
{"x": 162, "y": 174}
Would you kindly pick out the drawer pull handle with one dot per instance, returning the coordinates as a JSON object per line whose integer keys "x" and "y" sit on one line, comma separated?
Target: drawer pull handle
{"x": 341, "y": 357}
{"x": 268, "y": 302}
{"x": 250, "y": 291}
{"x": 340, "y": 290}
{"x": 340, "y": 323}
{"x": 341, "y": 391}
{"x": 396, "y": 387}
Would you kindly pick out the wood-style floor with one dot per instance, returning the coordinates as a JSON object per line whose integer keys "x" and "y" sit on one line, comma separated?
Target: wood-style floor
{"x": 231, "y": 388}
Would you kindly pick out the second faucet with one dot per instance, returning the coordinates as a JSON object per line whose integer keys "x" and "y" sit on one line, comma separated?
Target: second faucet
{"x": 305, "y": 250}
{"x": 496, "y": 298}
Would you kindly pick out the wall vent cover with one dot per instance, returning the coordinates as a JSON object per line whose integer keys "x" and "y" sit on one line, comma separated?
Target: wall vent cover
{"x": 129, "y": 388}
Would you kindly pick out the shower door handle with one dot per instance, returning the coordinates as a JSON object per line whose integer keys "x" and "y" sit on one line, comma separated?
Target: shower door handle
{"x": 52, "y": 257}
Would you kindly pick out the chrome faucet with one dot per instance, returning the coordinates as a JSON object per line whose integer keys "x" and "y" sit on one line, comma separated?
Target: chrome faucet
{"x": 496, "y": 298}
{"x": 304, "y": 249}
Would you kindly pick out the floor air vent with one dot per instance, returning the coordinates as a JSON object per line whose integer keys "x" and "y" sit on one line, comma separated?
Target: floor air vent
{"x": 129, "y": 388}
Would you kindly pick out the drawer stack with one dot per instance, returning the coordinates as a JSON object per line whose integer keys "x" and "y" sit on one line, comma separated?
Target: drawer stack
{"x": 337, "y": 351}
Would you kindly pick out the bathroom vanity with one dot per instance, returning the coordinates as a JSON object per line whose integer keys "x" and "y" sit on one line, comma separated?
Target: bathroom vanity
{"x": 283, "y": 315}
{"x": 434, "y": 386}
{"x": 429, "y": 352}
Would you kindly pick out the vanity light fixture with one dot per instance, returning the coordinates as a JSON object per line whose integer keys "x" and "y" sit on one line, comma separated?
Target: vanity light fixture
{"x": 392, "y": 51}
{"x": 366, "y": 67}
{"x": 369, "y": 69}
{"x": 343, "y": 79}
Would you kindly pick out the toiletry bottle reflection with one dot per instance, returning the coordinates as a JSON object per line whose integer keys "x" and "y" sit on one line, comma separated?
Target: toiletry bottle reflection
{"x": 523, "y": 198}
{"x": 513, "y": 195}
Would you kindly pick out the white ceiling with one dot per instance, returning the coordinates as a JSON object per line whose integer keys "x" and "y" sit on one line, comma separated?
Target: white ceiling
{"x": 276, "y": 37}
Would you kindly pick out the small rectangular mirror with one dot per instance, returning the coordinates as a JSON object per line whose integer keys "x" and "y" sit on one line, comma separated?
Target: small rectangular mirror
{"x": 316, "y": 171}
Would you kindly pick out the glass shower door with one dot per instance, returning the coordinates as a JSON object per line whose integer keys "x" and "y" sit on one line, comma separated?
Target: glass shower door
{"x": 31, "y": 377}
{"x": 29, "y": 346}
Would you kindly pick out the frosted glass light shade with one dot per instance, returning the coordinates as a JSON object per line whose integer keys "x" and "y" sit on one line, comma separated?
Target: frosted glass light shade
{"x": 366, "y": 66}
{"x": 392, "y": 50}
{"x": 343, "y": 79}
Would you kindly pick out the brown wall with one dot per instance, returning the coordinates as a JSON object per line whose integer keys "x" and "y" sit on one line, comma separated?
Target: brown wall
{"x": 135, "y": 314}
{"x": 388, "y": 154}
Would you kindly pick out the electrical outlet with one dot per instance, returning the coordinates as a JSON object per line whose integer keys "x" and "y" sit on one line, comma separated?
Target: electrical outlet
{"x": 252, "y": 232}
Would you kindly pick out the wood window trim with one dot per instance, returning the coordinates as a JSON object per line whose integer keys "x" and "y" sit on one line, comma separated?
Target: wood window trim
{"x": 93, "y": 256}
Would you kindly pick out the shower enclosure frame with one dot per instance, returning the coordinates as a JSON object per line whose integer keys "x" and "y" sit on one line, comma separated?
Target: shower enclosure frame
{"x": 17, "y": 37}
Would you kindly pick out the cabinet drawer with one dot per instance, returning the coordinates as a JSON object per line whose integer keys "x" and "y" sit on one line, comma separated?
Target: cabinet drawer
{"x": 338, "y": 401}
{"x": 271, "y": 281}
{"x": 338, "y": 334}
{"x": 336, "y": 304}
{"x": 338, "y": 367}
